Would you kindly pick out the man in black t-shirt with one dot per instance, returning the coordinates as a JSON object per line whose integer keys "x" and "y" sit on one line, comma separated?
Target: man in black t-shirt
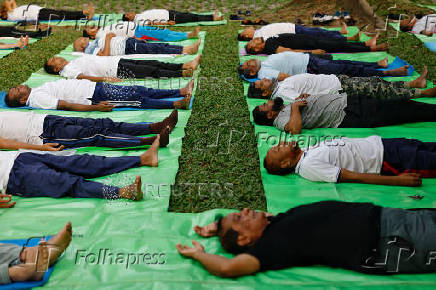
{"x": 357, "y": 236}
{"x": 303, "y": 43}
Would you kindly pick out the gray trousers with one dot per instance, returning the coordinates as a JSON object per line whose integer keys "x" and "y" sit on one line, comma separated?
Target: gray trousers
{"x": 9, "y": 256}
{"x": 407, "y": 241}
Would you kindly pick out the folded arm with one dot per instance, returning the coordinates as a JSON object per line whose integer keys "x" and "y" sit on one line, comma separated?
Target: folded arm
{"x": 294, "y": 124}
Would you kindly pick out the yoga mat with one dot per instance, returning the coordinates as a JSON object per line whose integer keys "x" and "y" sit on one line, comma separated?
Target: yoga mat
{"x": 6, "y": 51}
{"x": 98, "y": 19}
{"x": 30, "y": 284}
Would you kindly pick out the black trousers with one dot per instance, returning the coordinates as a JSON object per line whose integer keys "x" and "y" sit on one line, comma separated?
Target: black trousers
{"x": 368, "y": 112}
{"x": 184, "y": 17}
{"x": 12, "y": 31}
{"x": 139, "y": 69}
{"x": 336, "y": 45}
{"x": 52, "y": 14}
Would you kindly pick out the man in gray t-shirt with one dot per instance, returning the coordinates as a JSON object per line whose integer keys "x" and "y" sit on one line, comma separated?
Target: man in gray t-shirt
{"x": 307, "y": 111}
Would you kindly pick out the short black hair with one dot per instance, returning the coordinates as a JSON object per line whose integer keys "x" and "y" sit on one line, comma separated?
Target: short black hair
{"x": 243, "y": 38}
{"x": 12, "y": 102}
{"x": 254, "y": 92}
{"x": 229, "y": 239}
{"x": 277, "y": 171}
{"x": 85, "y": 34}
{"x": 49, "y": 69}
{"x": 125, "y": 18}
{"x": 261, "y": 118}
{"x": 245, "y": 73}
{"x": 249, "y": 51}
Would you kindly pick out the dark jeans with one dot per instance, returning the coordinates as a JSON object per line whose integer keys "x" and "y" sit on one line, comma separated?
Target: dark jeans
{"x": 318, "y": 32}
{"x": 407, "y": 241}
{"x": 52, "y": 14}
{"x": 139, "y": 69}
{"x": 409, "y": 156}
{"x": 149, "y": 98}
{"x": 368, "y": 112}
{"x": 80, "y": 132}
{"x": 134, "y": 46}
{"x": 49, "y": 175}
{"x": 12, "y": 31}
{"x": 185, "y": 17}
{"x": 343, "y": 67}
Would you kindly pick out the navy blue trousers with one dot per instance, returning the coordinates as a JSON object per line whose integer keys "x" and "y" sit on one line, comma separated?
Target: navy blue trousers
{"x": 81, "y": 132}
{"x": 343, "y": 67}
{"x": 135, "y": 46}
{"x": 318, "y": 32}
{"x": 149, "y": 98}
{"x": 48, "y": 175}
{"x": 409, "y": 156}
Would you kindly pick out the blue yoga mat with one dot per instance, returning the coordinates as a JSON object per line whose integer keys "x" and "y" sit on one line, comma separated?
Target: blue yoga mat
{"x": 26, "y": 285}
{"x": 4, "y": 106}
{"x": 397, "y": 63}
{"x": 431, "y": 45}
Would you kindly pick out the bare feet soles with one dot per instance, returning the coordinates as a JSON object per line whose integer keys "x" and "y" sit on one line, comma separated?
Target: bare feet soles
{"x": 188, "y": 89}
{"x": 383, "y": 63}
{"x": 402, "y": 71}
{"x": 89, "y": 11}
{"x": 133, "y": 191}
{"x": 373, "y": 41}
{"x": 194, "y": 34}
{"x": 183, "y": 104}
{"x": 344, "y": 29}
{"x": 216, "y": 16}
{"x": 193, "y": 64}
{"x": 151, "y": 157}
{"x": 421, "y": 81}
{"x": 380, "y": 47}
{"x": 192, "y": 49}
{"x": 170, "y": 121}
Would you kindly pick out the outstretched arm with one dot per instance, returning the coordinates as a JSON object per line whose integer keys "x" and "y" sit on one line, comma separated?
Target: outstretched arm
{"x": 98, "y": 79}
{"x": 406, "y": 179}
{"x": 241, "y": 265}
{"x": 313, "y": 51}
{"x": 15, "y": 145}
{"x": 102, "y": 107}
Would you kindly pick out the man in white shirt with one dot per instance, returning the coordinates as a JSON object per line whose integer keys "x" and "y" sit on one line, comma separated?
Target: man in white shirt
{"x": 372, "y": 160}
{"x": 84, "y": 95}
{"x": 426, "y": 25}
{"x": 113, "y": 68}
{"x": 144, "y": 32}
{"x": 285, "y": 64}
{"x": 50, "y": 175}
{"x": 292, "y": 87}
{"x": 28, "y": 130}
{"x": 275, "y": 29}
{"x": 168, "y": 17}
{"x": 113, "y": 45}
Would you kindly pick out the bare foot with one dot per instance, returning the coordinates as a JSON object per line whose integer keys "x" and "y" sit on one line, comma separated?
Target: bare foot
{"x": 193, "y": 64}
{"x": 402, "y": 71}
{"x": 373, "y": 41}
{"x": 151, "y": 157}
{"x": 170, "y": 121}
{"x": 192, "y": 49}
{"x": 194, "y": 34}
{"x": 383, "y": 63}
{"x": 164, "y": 137}
{"x": 187, "y": 73}
{"x": 89, "y": 11}
{"x": 421, "y": 81}
{"x": 355, "y": 37}
{"x": 344, "y": 29}
{"x": 183, "y": 104}
{"x": 380, "y": 47}
{"x": 216, "y": 16}
{"x": 188, "y": 89}
{"x": 133, "y": 191}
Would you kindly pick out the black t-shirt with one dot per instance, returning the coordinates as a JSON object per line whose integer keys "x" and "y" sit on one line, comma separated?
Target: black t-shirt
{"x": 301, "y": 41}
{"x": 332, "y": 233}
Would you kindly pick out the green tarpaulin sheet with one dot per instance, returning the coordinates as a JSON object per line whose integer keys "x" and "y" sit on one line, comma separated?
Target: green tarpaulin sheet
{"x": 5, "y": 52}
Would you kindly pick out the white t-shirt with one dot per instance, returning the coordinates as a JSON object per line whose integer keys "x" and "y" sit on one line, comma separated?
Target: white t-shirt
{"x": 274, "y": 29}
{"x": 25, "y": 12}
{"x": 118, "y": 45}
{"x": 49, "y": 94}
{"x": 124, "y": 28}
{"x": 91, "y": 65}
{"x": 324, "y": 163}
{"x": 152, "y": 15}
{"x": 293, "y": 86}
{"x": 7, "y": 159}
{"x": 425, "y": 23}
{"x": 23, "y": 127}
